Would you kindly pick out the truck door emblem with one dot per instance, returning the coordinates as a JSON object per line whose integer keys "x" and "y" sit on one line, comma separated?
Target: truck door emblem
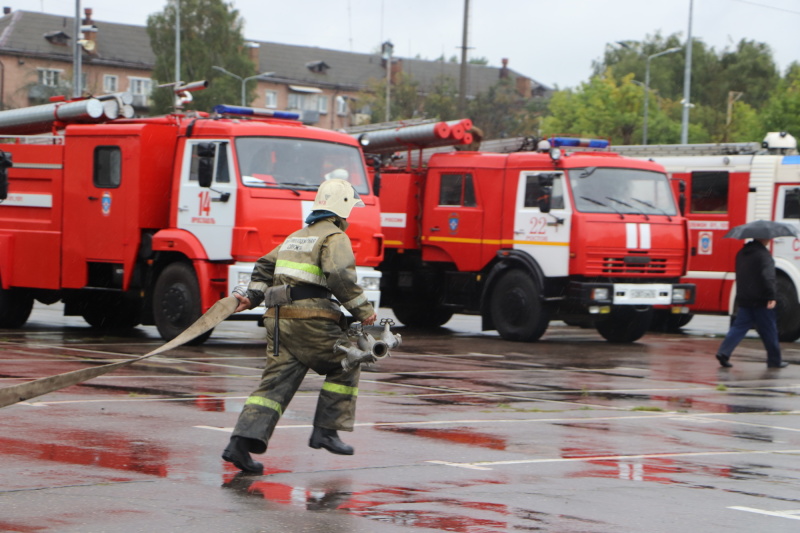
{"x": 105, "y": 202}
{"x": 705, "y": 242}
{"x": 453, "y": 222}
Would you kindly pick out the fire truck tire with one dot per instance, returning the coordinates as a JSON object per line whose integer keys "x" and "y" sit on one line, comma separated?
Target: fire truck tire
{"x": 112, "y": 312}
{"x": 667, "y": 322}
{"x": 625, "y": 324}
{"x": 176, "y": 302}
{"x": 15, "y": 308}
{"x": 418, "y": 314}
{"x": 787, "y": 310}
{"x": 518, "y": 312}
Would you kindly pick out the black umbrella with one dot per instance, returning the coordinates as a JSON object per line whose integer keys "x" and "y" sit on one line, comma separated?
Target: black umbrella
{"x": 762, "y": 229}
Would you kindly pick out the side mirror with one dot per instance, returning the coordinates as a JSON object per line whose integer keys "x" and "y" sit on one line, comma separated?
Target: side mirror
{"x": 682, "y": 197}
{"x": 5, "y": 163}
{"x": 545, "y": 192}
{"x": 205, "y": 164}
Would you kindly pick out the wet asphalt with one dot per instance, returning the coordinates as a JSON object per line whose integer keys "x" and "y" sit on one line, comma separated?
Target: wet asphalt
{"x": 457, "y": 430}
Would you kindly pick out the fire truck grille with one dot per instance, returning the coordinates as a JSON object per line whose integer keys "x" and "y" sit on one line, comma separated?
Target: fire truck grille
{"x": 600, "y": 264}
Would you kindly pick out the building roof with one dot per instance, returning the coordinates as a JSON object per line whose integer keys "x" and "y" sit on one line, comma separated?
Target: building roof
{"x": 23, "y": 33}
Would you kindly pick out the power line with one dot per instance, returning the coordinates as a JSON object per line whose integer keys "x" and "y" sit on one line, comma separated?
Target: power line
{"x": 768, "y": 6}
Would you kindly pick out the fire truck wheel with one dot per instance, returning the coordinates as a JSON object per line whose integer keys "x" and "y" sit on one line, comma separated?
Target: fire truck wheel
{"x": 15, "y": 308}
{"x": 176, "y": 302}
{"x": 667, "y": 322}
{"x": 418, "y": 314}
{"x": 112, "y": 312}
{"x": 625, "y": 324}
{"x": 787, "y": 310}
{"x": 517, "y": 308}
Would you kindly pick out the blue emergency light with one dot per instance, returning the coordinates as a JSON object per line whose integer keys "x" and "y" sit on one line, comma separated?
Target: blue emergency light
{"x": 577, "y": 142}
{"x": 223, "y": 109}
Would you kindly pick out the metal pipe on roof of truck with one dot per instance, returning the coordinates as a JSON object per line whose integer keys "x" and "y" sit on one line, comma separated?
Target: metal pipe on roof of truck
{"x": 403, "y": 137}
{"x": 123, "y": 97}
{"x": 42, "y": 118}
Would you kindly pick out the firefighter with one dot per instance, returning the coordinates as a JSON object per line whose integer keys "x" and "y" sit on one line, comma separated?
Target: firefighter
{"x": 317, "y": 264}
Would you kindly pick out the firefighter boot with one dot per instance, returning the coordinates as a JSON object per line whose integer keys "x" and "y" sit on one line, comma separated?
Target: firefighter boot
{"x": 238, "y": 453}
{"x": 329, "y": 439}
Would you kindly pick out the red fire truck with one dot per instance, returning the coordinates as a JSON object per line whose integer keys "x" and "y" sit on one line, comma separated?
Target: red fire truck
{"x": 730, "y": 184}
{"x": 525, "y": 238}
{"x": 152, "y": 220}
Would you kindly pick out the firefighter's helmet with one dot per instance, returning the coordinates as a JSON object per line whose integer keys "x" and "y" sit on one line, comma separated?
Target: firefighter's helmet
{"x": 338, "y": 197}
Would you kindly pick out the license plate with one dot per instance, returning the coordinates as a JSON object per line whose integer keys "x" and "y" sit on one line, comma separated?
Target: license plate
{"x": 643, "y": 293}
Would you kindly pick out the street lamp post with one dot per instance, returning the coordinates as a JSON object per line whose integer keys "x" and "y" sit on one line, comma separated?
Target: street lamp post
{"x": 647, "y": 87}
{"x": 243, "y": 80}
{"x": 387, "y": 49}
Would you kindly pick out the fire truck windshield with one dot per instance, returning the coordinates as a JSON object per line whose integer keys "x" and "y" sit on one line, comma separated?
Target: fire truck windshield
{"x": 621, "y": 190}
{"x": 271, "y": 162}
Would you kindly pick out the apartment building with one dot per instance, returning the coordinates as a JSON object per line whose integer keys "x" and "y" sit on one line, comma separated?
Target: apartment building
{"x": 36, "y": 62}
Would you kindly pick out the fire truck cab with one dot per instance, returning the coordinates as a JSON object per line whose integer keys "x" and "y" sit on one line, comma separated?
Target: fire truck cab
{"x": 152, "y": 220}
{"x": 524, "y": 238}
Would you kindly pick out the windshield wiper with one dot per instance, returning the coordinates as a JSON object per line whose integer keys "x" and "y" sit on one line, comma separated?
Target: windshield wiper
{"x": 280, "y": 186}
{"x": 651, "y": 206}
{"x": 598, "y": 202}
{"x": 626, "y": 204}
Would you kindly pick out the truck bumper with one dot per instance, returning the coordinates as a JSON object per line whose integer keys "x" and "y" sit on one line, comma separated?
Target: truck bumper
{"x": 598, "y": 295}
{"x": 367, "y": 277}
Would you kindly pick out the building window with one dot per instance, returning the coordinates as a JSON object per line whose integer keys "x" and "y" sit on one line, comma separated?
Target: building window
{"x": 271, "y": 99}
{"x": 303, "y": 101}
{"x": 140, "y": 86}
{"x": 107, "y": 167}
{"x": 110, "y": 83}
{"x": 341, "y": 106}
{"x": 50, "y": 77}
{"x": 322, "y": 106}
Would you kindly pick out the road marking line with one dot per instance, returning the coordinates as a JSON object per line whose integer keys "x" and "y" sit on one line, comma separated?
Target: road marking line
{"x": 614, "y": 458}
{"x": 781, "y": 514}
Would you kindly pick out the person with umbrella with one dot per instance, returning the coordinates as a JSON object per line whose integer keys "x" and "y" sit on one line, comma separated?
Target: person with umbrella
{"x": 756, "y": 292}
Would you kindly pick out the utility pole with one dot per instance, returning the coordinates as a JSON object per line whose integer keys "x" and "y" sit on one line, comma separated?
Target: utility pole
{"x": 687, "y": 81}
{"x": 77, "y": 89}
{"x": 388, "y": 49}
{"x": 462, "y": 90}
{"x": 177, "y": 43}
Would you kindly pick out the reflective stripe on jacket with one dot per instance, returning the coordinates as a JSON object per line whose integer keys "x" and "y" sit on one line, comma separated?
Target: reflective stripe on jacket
{"x": 320, "y": 254}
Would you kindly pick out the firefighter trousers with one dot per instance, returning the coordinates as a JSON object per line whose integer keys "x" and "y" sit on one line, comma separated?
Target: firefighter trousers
{"x": 303, "y": 344}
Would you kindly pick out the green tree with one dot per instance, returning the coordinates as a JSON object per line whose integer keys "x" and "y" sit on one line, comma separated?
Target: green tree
{"x": 442, "y": 100}
{"x": 602, "y": 107}
{"x": 746, "y": 74}
{"x": 501, "y": 112}
{"x": 405, "y": 100}
{"x": 211, "y": 34}
{"x": 782, "y": 110}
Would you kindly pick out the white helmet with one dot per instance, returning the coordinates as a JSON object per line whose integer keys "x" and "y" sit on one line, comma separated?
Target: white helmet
{"x": 338, "y": 197}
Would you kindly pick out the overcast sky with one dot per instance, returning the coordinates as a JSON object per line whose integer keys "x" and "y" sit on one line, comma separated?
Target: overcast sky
{"x": 553, "y": 42}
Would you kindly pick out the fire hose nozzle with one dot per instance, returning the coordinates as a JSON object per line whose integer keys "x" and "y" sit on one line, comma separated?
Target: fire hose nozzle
{"x": 392, "y": 340}
{"x": 353, "y": 356}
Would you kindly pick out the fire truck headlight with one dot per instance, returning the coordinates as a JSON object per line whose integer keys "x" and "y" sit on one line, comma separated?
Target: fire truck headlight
{"x": 680, "y": 295}
{"x": 600, "y": 294}
{"x": 370, "y": 283}
{"x": 243, "y": 279}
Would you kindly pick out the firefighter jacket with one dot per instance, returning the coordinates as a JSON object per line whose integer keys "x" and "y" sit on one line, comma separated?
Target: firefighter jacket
{"x": 318, "y": 255}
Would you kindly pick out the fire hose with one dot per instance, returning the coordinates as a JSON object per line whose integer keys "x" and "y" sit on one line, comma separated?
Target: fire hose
{"x": 31, "y": 389}
{"x": 367, "y": 351}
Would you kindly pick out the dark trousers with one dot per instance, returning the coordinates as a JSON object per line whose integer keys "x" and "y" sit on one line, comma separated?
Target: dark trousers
{"x": 764, "y": 321}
